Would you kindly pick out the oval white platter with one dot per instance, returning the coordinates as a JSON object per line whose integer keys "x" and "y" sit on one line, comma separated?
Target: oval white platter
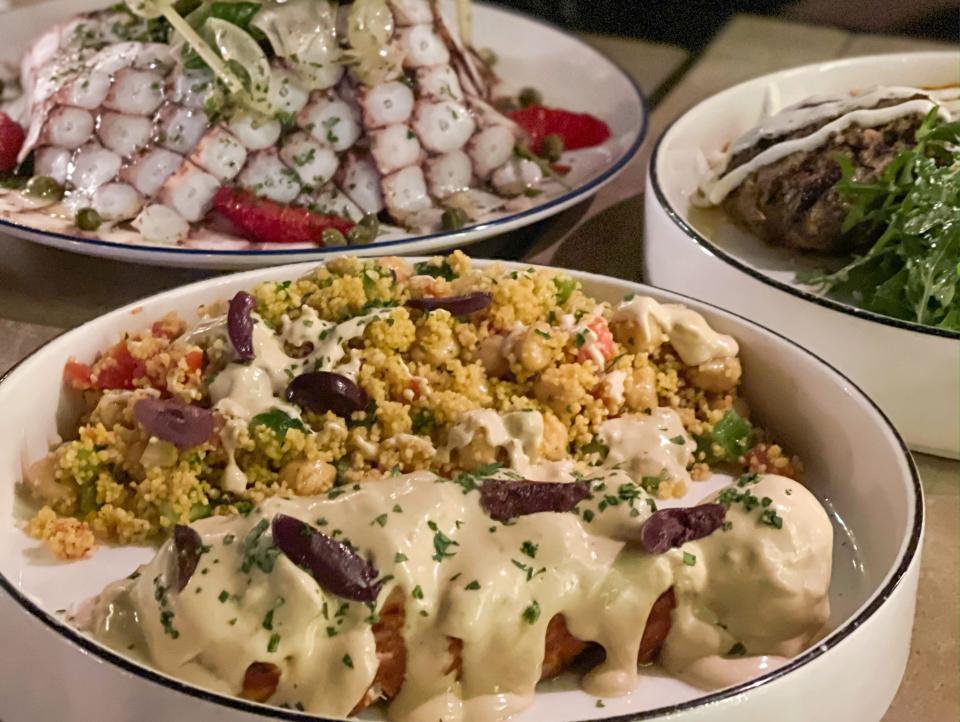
{"x": 909, "y": 369}
{"x": 569, "y": 73}
{"x": 856, "y": 464}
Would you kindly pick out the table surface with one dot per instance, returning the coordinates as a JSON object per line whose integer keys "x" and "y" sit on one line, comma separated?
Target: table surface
{"x": 43, "y": 291}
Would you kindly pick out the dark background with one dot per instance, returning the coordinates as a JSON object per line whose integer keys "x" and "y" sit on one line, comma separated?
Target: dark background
{"x": 691, "y": 24}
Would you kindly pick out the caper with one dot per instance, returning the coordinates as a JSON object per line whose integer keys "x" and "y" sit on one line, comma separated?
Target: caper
{"x": 365, "y": 231}
{"x": 333, "y": 237}
{"x": 453, "y": 219}
{"x": 529, "y": 96}
{"x": 87, "y": 219}
{"x": 552, "y": 147}
{"x": 488, "y": 56}
{"x": 44, "y": 187}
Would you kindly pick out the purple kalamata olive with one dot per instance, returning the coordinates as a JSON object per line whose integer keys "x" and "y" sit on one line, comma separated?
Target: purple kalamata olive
{"x": 456, "y": 305}
{"x": 335, "y": 566}
{"x": 670, "y": 528}
{"x": 504, "y": 499}
{"x": 240, "y": 324}
{"x": 322, "y": 391}
{"x": 182, "y": 425}
{"x": 188, "y": 548}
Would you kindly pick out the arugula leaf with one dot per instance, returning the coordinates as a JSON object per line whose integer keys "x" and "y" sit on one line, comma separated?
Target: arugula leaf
{"x": 912, "y": 270}
{"x": 732, "y": 434}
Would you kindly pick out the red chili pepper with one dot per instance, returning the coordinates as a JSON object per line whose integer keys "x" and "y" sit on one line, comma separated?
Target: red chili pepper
{"x": 578, "y": 130}
{"x": 260, "y": 219}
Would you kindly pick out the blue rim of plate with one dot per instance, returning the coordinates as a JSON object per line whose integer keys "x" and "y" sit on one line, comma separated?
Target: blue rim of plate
{"x": 824, "y": 301}
{"x": 580, "y": 192}
{"x": 264, "y": 711}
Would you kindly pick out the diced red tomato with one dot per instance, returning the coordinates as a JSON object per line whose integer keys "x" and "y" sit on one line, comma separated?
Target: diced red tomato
{"x": 578, "y": 130}
{"x": 11, "y": 140}
{"x": 194, "y": 360}
{"x": 121, "y": 373}
{"x": 77, "y": 374}
{"x": 117, "y": 369}
{"x": 603, "y": 341}
{"x": 266, "y": 221}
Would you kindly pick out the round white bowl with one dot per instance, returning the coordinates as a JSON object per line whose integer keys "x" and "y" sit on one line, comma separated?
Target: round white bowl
{"x": 856, "y": 464}
{"x": 912, "y": 371}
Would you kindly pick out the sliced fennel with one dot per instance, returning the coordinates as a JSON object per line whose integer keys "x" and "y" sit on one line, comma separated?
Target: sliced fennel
{"x": 157, "y": 8}
{"x": 304, "y": 33}
{"x": 374, "y": 57}
{"x": 236, "y": 45}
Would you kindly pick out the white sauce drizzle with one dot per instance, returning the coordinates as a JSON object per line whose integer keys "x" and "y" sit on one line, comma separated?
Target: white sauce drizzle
{"x": 763, "y": 587}
{"x": 645, "y": 445}
{"x": 843, "y": 112}
{"x": 686, "y": 330}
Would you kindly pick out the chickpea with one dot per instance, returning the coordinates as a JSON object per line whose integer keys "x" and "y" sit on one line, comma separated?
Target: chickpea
{"x": 717, "y": 375}
{"x": 41, "y": 479}
{"x": 401, "y": 269}
{"x": 308, "y": 478}
{"x": 491, "y": 356}
{"x": 532, "y": 352}
{"x": 640, "y": 390}
{"x": 631, "y": 334}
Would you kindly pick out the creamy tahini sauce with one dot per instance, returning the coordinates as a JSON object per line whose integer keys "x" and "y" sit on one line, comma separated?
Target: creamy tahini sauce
{"x": 494, "y": 586}
{"x": 686, "y": 330}
{"x": 649, "y": 445}
{"x": 836, "y": 113}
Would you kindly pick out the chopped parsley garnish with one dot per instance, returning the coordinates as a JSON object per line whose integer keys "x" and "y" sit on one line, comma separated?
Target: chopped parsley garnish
{"x": 166, "y": 621}
{"x": 599, "y": 703}
{"x": 441, "y": 542}
{"x": 528, "y": 570}
{"x": 771, "y": 518}
{"x": 397, "y": 509}
{"x": 651, "y": 484}
{"x": 751, "y": 478}
{"x": 255, "y": 553}
{"x": 689, "y": 559}
{"x": 347, "y": 661}
{"x": 332, "y": 632}
{"x": 422, "y": 421}
{"x": 417, "y": 592}
{"x": 273, "y": 643}
{"x": 541, "y": 334}
{"x": 587, "y": 515}
{"x": 444, "y": 271}
{"x": 532, "y": 613}
{"x": 223, "y": 596}
{"x": 472, "y": 586}
{"x": 679, "y": 440}
{"x": 228, "y": 540}
{"x": 737, "y": 650}
{"x": 231, "y": 622}
{"x": 399, "y": 558}
{"x": 381, "y": 520}
{"x": 529, "y": 548}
